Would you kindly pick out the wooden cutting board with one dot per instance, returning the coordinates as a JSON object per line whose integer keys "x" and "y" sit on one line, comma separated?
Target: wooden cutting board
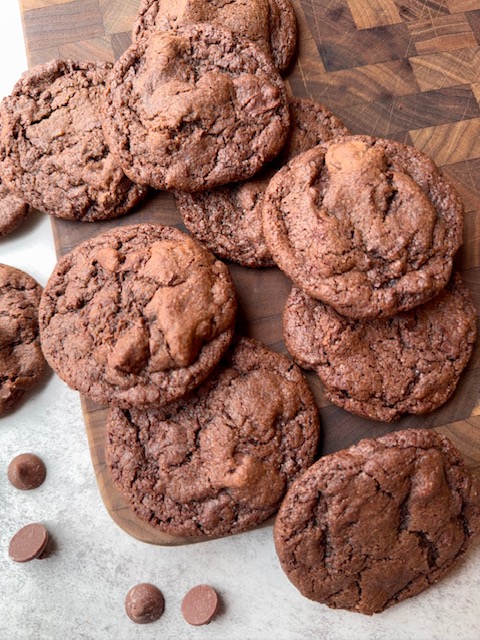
{"x": 402, "y": 69}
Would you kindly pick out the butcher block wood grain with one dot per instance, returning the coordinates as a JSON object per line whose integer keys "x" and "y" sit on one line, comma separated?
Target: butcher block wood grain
{"x": 402, "y": 69}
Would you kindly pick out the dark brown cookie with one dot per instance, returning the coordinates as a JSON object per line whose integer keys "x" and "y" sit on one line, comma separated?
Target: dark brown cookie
{"x": 52, "y": 148}
{"x": 271, "y": 24}
{"x": 137, "y": 315}
{"x": 383, "y": 367}
{"x": 195, "y": 108}
{"x": 368, "y": 226}
{"x": 13, "y": 210}
{"x": 372, "y": 525}
{"x": 28, "y": 543}
{"x": 220, "y": 461}
{"x": 21, "y": 359}
{"x": 229, "y": 219}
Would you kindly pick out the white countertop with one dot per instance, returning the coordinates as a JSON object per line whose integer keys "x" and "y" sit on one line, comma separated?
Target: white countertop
{"x": 78, "y": 591}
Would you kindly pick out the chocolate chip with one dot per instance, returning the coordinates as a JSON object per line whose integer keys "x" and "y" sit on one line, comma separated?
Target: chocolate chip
{"x": 200, "y": 605}
{"x": 144, "y": 603}
{"x": 28, "y": 543}
{"x": 26, "y": 471}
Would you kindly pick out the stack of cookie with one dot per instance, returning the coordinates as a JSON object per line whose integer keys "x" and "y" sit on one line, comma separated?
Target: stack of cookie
{"x": 367, "y": 230}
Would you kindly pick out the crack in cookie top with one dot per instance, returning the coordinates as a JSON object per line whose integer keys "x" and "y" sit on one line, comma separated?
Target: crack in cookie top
{"x": 381, "y": 368}
{"x": 219, "y": 461}
{"x": 229, "y": 219}
{"x": 13, "y": 210}
{"x": 52, "y": 149}
{"x": 271, "y": 24}
{"x": 372, "y": 525}
{"x": 194, "y": 108}
{"x": 137, "y": 315}
{"x": 368, "y": 226}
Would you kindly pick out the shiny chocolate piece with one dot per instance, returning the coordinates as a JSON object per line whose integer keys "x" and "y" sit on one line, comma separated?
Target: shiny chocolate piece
{"x": 28, "y": 543}
{"x": 200, "y": 605}
{"x": 26, "y": 471}
{"x": 144, "y": 603}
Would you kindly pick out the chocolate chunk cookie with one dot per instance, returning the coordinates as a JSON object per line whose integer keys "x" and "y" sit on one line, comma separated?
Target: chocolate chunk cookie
{"x": 271, "y": 24}
{"x": 12, "y": 210}
{"x": 220, "y": 461}
{"x": 137, "y": 315}
{"x": 195, "y": 108}
{"x": 372, "y": 525}
{"x": 368, "y": 226}
{"x": 21, "y": 359}
{"x": 52, "y": 149}
{"x": 383, "y": 367}
{"x": 229, "y": 219}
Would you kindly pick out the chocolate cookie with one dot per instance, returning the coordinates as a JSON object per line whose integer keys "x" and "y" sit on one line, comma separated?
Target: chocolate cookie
{"x": 229, "y": 219}
{"x": 220, "y": 461}
{"x": 137, "y": 315}
{"x": 52, "y": 148}
{"x": 26, "y": 471}
{"x": 383, "y": 367}
{"x": 195, "y": 108}
{"x": 12, "y": 210}
{"x": 372, "y": 525}
{"x": 21, "y": 359}
{"x": 271, "y": 24}
{"x": 368, "y": 226}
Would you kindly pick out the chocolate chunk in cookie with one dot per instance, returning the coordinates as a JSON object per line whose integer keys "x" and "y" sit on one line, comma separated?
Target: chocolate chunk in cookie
{"x": 383, "y": 367}
{"x": 271, "y": 24}
{"x": 195, "y": 108}
{"x": 372, "y": 525}
{"x": 137, "y": 315}
{"x": 52, "y": 149}
{"x": 220, "y": 461}
{"x": 13, "y": 210}
{"x": 21, "y": 360}
{"x": 368, "y": 226}
{"x": 229, "y": 219}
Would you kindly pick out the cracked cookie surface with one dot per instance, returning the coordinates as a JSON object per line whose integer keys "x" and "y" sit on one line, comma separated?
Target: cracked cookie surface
{"x": 229, "y": 219}
{"x": 13, "y": 210}
{"x": 52, "y": 149}
{"x": 271, "y": 24}
{"x": 381, "y": 368}
{"x": 21, "y": 358}
{"x": 219, "y": 461}
{"x": 372, "y": 525}
{"x": 137, "y": 315}
{"x": 194, "y": 108}
{"x": 368, "y": 226}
